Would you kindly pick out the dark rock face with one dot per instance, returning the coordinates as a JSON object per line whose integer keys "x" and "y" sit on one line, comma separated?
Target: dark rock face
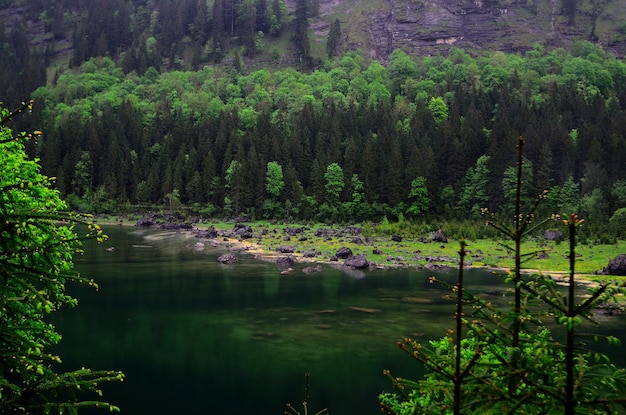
{"x": 243, "y": 231}
{"x": 285, "y": 262}
{"x": 552, "y": 235}
{"x": 433, "y": 27}
{"x": 357, "y": 262}
{"x": 357, "y": 240}
{"x": 286, "y": 249}
{"x": 616, "y": 266}
{"x": 227, "y": 259}
{"x": 440, "y": 236}
{"x": 210, "y": 233}
{"x": 172, "y": 226}
{"x": 144, "y": 222}
{"x": 293, "y": 231}
{"x": 312, "y": 270}
{"x": 344, "y": 253}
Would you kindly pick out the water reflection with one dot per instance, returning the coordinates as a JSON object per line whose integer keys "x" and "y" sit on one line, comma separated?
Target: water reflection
{"x": 197, "y": 337}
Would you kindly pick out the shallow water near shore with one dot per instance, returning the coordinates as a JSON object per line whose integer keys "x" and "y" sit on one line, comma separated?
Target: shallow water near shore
{"x": 197, "y": 337}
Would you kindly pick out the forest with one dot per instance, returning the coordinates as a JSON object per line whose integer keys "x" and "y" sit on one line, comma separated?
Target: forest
{"x": 203, "y": 124}
{"x": 430, "y": 137}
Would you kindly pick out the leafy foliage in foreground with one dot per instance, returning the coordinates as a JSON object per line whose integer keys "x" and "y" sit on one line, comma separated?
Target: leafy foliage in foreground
{"x": 37, "y": 244}
{"x": 512, "y": 360}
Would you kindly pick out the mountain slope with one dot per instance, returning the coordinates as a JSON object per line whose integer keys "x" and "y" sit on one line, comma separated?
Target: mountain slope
{"x": 424, "y": 27}
{"x": 41, "y": 39}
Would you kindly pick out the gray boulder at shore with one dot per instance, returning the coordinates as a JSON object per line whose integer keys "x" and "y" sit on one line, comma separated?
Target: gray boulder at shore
{"x": 616, "y": 266}
{"x": 227, "y": 259}
{"x": 284, "y": 262}
{"x": 357, "y": 262}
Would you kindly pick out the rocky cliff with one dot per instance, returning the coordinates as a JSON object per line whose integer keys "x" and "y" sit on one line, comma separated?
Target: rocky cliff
{"x": 377, "y": 27}
{"x": 423, "y": 27}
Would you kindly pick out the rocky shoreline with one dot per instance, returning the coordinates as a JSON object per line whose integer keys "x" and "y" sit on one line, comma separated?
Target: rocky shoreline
{"x": 296, "y": 244}
{"x": 345, "y": 246}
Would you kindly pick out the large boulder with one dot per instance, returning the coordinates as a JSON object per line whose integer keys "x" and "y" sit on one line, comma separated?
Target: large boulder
{"x": 344, "y": 253}
{"x": 243, "y": 231}
{"x": 227, "y": 259}
{"x": 293, "y": 231}
{"x": 174, "y": 226}
{"x": 284, "y": 262}
{"x": 552, "y": 235}
{"x": 439, "y": 236}
{"x": 312, "y": 270}
{"x": 210, "y": 233}
{"x": 616, "y": 266}
{"x": 357, "y": 262}
{"x": 145, "y": 222}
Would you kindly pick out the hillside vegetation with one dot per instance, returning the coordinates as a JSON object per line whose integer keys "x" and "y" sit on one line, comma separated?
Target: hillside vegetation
{"x": 278, "y": 110}
{"x": 41, "y": 39}
{"x": 351, "y": 141}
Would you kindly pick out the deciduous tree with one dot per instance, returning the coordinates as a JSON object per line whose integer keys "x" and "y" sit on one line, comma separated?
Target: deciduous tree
{"x": 38, "y": 240}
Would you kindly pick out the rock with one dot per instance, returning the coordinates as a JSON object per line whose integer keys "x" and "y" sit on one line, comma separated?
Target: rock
{"x": 357, "y": 240}
{"x": 439, "y": 236}
{"x": 227, "y": 259}
{"x": 210, "y": 233}
{"x": 286, "y": 249}
{"x": 172, "y": 226}
{"x": 243, "y": 231}
{"x": 286, "y": 271}
{"x": 543, "y": 255}
{"x": 396, "y": 238}
{"x": 312, "y": 254}
{"x": 293, "y": 231}
{"x": 312, "y": 270}
{"x": 616, "y": 266}
{"x": 357, "y": 262}
{"x": 377, "y": 251}
{"x": 437, "y": 267}
{"x": 344, "y": 253}
{"x": 352, "y": 230}
{"x": 285, "y": 262}
{"x": 143, "y": 222}
{"x": 552, "y": 235}
{"x": 364, "y": 310}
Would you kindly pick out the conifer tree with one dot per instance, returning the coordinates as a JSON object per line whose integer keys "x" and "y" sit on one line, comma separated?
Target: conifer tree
{"x": 301, "y": 36}
{"x": 334, "y": 39}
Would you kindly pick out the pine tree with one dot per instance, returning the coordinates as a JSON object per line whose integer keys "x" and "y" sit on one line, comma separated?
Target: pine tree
{"x": 334, "y": 39}
{"x": 301, "y": 36}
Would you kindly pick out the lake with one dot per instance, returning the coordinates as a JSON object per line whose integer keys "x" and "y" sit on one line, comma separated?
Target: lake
{"x": 197, "y": 337}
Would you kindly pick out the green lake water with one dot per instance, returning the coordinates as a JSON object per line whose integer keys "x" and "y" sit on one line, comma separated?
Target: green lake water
{"x": 197, "y": 337}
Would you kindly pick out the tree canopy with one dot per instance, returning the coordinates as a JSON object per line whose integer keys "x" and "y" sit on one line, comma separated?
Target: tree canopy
{"x": 433, "y": 117}
{"x": 37, "y": 243}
